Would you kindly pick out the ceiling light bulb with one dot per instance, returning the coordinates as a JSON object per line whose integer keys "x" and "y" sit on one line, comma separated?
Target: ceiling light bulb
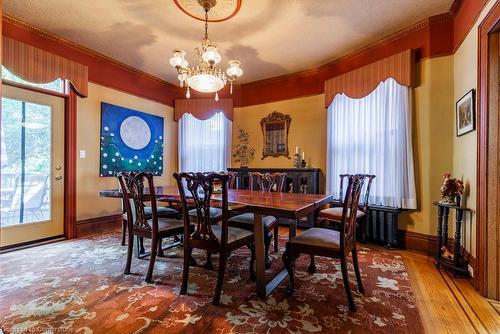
{"x": 188, "y": 93}
{"x": 177, "y": 59}
{"x": 216, "y": 96}
{"x": 182, "y": 77}
{"x": 234, "y": 70}
{"x": 211, "y": 55}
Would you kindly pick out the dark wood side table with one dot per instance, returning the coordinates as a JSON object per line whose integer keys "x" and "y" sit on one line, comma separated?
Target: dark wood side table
{"x": 458, "y": 265}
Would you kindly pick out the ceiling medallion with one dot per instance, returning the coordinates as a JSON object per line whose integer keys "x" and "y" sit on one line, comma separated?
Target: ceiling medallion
{"x": 223, "y": 10}
{"x": 205, "y": 77}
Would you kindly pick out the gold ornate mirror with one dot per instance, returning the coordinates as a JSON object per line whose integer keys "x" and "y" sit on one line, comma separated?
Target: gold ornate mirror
{"x": 275, "y": 134}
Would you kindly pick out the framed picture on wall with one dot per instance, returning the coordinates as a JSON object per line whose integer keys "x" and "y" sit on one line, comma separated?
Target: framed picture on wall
{"x": 130, "y": 141}
{"x": 466, "y": 113}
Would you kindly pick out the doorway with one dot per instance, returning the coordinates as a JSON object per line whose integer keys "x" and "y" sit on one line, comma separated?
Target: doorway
{"x": 32, "y": 166}
{"x": 488, "y": 174}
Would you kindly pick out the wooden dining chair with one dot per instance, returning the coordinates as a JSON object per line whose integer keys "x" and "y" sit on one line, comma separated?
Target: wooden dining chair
{"x": 218, "y": 238}
{"x": 334, "y": 213}
{"x": 330, "y": 243}
{"x": 141, "y": 225}
{"x": 265, "y": 182}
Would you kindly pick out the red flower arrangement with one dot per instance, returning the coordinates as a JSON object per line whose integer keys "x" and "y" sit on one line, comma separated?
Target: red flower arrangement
{"x": 451, "y": 188}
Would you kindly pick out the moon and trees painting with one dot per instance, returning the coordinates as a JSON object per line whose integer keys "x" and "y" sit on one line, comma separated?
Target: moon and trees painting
{"x": 130, "y": 141}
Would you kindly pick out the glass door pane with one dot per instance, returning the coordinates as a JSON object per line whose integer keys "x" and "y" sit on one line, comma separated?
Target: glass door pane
{"x": 25, "y": 162}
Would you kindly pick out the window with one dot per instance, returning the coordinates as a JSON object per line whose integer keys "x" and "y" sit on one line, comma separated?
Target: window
{"x": 372, "y": 135}
{"x": 56, "y": 85}
{"x": 204, "y": 145}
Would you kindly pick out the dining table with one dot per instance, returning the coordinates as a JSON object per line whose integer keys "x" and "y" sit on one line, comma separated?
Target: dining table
{"x": 293, "y": 206}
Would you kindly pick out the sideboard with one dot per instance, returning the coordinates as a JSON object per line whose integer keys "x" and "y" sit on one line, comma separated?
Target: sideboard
{"x": 298, "y": 180}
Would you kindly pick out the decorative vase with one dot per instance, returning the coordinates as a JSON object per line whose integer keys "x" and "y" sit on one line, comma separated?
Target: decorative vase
{"x": 446, "y": 199}
{"x": 243, "y": 162}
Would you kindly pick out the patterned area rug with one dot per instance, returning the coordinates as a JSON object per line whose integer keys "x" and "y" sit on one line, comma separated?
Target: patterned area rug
{"x": 78, "y": 286}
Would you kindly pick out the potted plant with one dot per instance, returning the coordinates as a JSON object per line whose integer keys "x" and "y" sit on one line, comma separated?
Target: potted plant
{"x": 451, "y": 190}
{"x": 243, "y": 153}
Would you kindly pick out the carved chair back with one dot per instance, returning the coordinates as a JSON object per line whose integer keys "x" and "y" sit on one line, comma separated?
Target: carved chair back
{"x": 233, "y": 180}
{"x": 196, "y": 189}
{"x": 134, "y": 197}
{"x": 269, "y": 182}
{"x": 363, "y": 204}
{"x": 350, "y": 207}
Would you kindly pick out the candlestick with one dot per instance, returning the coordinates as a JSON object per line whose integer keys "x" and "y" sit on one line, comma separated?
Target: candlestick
{"x": 296, "y": 150}
{"x": 296, "y": 160}
{"x": 303, "y": 155}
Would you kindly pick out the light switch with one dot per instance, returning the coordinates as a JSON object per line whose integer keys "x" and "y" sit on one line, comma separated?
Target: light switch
{"x": 83, "y": 154}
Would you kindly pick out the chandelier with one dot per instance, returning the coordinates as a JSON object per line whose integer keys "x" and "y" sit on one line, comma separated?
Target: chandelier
{"x": 205, "y": 77}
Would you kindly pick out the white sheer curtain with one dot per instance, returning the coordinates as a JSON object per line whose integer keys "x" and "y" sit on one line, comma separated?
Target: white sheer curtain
{"x": 204, "y": 145}
{"x": 372, "y": 135}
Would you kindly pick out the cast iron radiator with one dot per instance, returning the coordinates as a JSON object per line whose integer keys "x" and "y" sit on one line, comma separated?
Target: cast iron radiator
{"x": 382, "y": 225}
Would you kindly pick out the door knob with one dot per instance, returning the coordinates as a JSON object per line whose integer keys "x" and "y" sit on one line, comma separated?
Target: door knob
{"x": 58, "y": 177}
{"x": 58, "y": 167}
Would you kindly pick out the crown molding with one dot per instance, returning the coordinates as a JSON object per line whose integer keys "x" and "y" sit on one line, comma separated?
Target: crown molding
{"x": 424, "y": 24}
{"x": 80, "y": 48}
{"x": 435, "y": 36}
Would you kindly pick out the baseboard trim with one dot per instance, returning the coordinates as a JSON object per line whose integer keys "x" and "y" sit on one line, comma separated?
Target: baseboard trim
{"x": 418, "y": 242}
{"x": 86, "y": 227}
{"x": 427, "y": 244}
{"x": 33, "y": 243}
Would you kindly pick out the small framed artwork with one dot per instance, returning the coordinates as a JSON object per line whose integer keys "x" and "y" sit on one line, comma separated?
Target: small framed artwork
{"x": 466, "y": 113}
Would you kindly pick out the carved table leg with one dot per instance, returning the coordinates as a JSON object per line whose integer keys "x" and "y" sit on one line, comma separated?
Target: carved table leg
{"x": 445, "y": 227}
{"x": 458, "y": 236}
{"x": 439, "y": 234}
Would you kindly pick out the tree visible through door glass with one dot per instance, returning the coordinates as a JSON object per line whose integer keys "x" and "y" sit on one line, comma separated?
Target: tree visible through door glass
{"x": 25, "y": 162}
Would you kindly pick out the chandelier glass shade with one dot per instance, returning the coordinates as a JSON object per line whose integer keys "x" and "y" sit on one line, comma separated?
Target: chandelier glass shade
{"x": 205, "y": 77}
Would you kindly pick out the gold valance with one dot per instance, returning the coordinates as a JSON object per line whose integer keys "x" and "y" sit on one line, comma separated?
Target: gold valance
{"x": 203, "y": 108}
{"x": 39, "y": 66}
{"x": 362, "y": 81}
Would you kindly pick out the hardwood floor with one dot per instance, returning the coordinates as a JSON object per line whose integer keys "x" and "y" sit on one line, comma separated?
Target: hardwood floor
{"x": 448, "y": 304}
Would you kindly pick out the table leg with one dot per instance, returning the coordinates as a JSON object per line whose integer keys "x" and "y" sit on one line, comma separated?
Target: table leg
{"x": 445, "y": 227}
{"x": 458, "y": 237}
{"x": 260, "y": 255}
{"x": 439, "y": 234}
{"x": 292, "y": 228}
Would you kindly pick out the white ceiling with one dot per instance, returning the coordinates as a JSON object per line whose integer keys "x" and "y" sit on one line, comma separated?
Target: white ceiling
{"x": 270, "y": 37}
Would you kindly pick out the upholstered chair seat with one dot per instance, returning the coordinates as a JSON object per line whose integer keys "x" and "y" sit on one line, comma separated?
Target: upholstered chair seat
{"x": 215, "y": 213}
{"x": 233, "y": 233}
{"x": 335, "y": 214}
{"x": 318, "y": 237}
{"x": 163, "y": 211}
{"x": 247, "y": 218}
{"x": 166, "y": 224}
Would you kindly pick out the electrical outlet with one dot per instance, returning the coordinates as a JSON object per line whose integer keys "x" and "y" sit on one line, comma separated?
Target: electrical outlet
{"x": 471, "y": 270}
{"x": 83, "y": 154}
